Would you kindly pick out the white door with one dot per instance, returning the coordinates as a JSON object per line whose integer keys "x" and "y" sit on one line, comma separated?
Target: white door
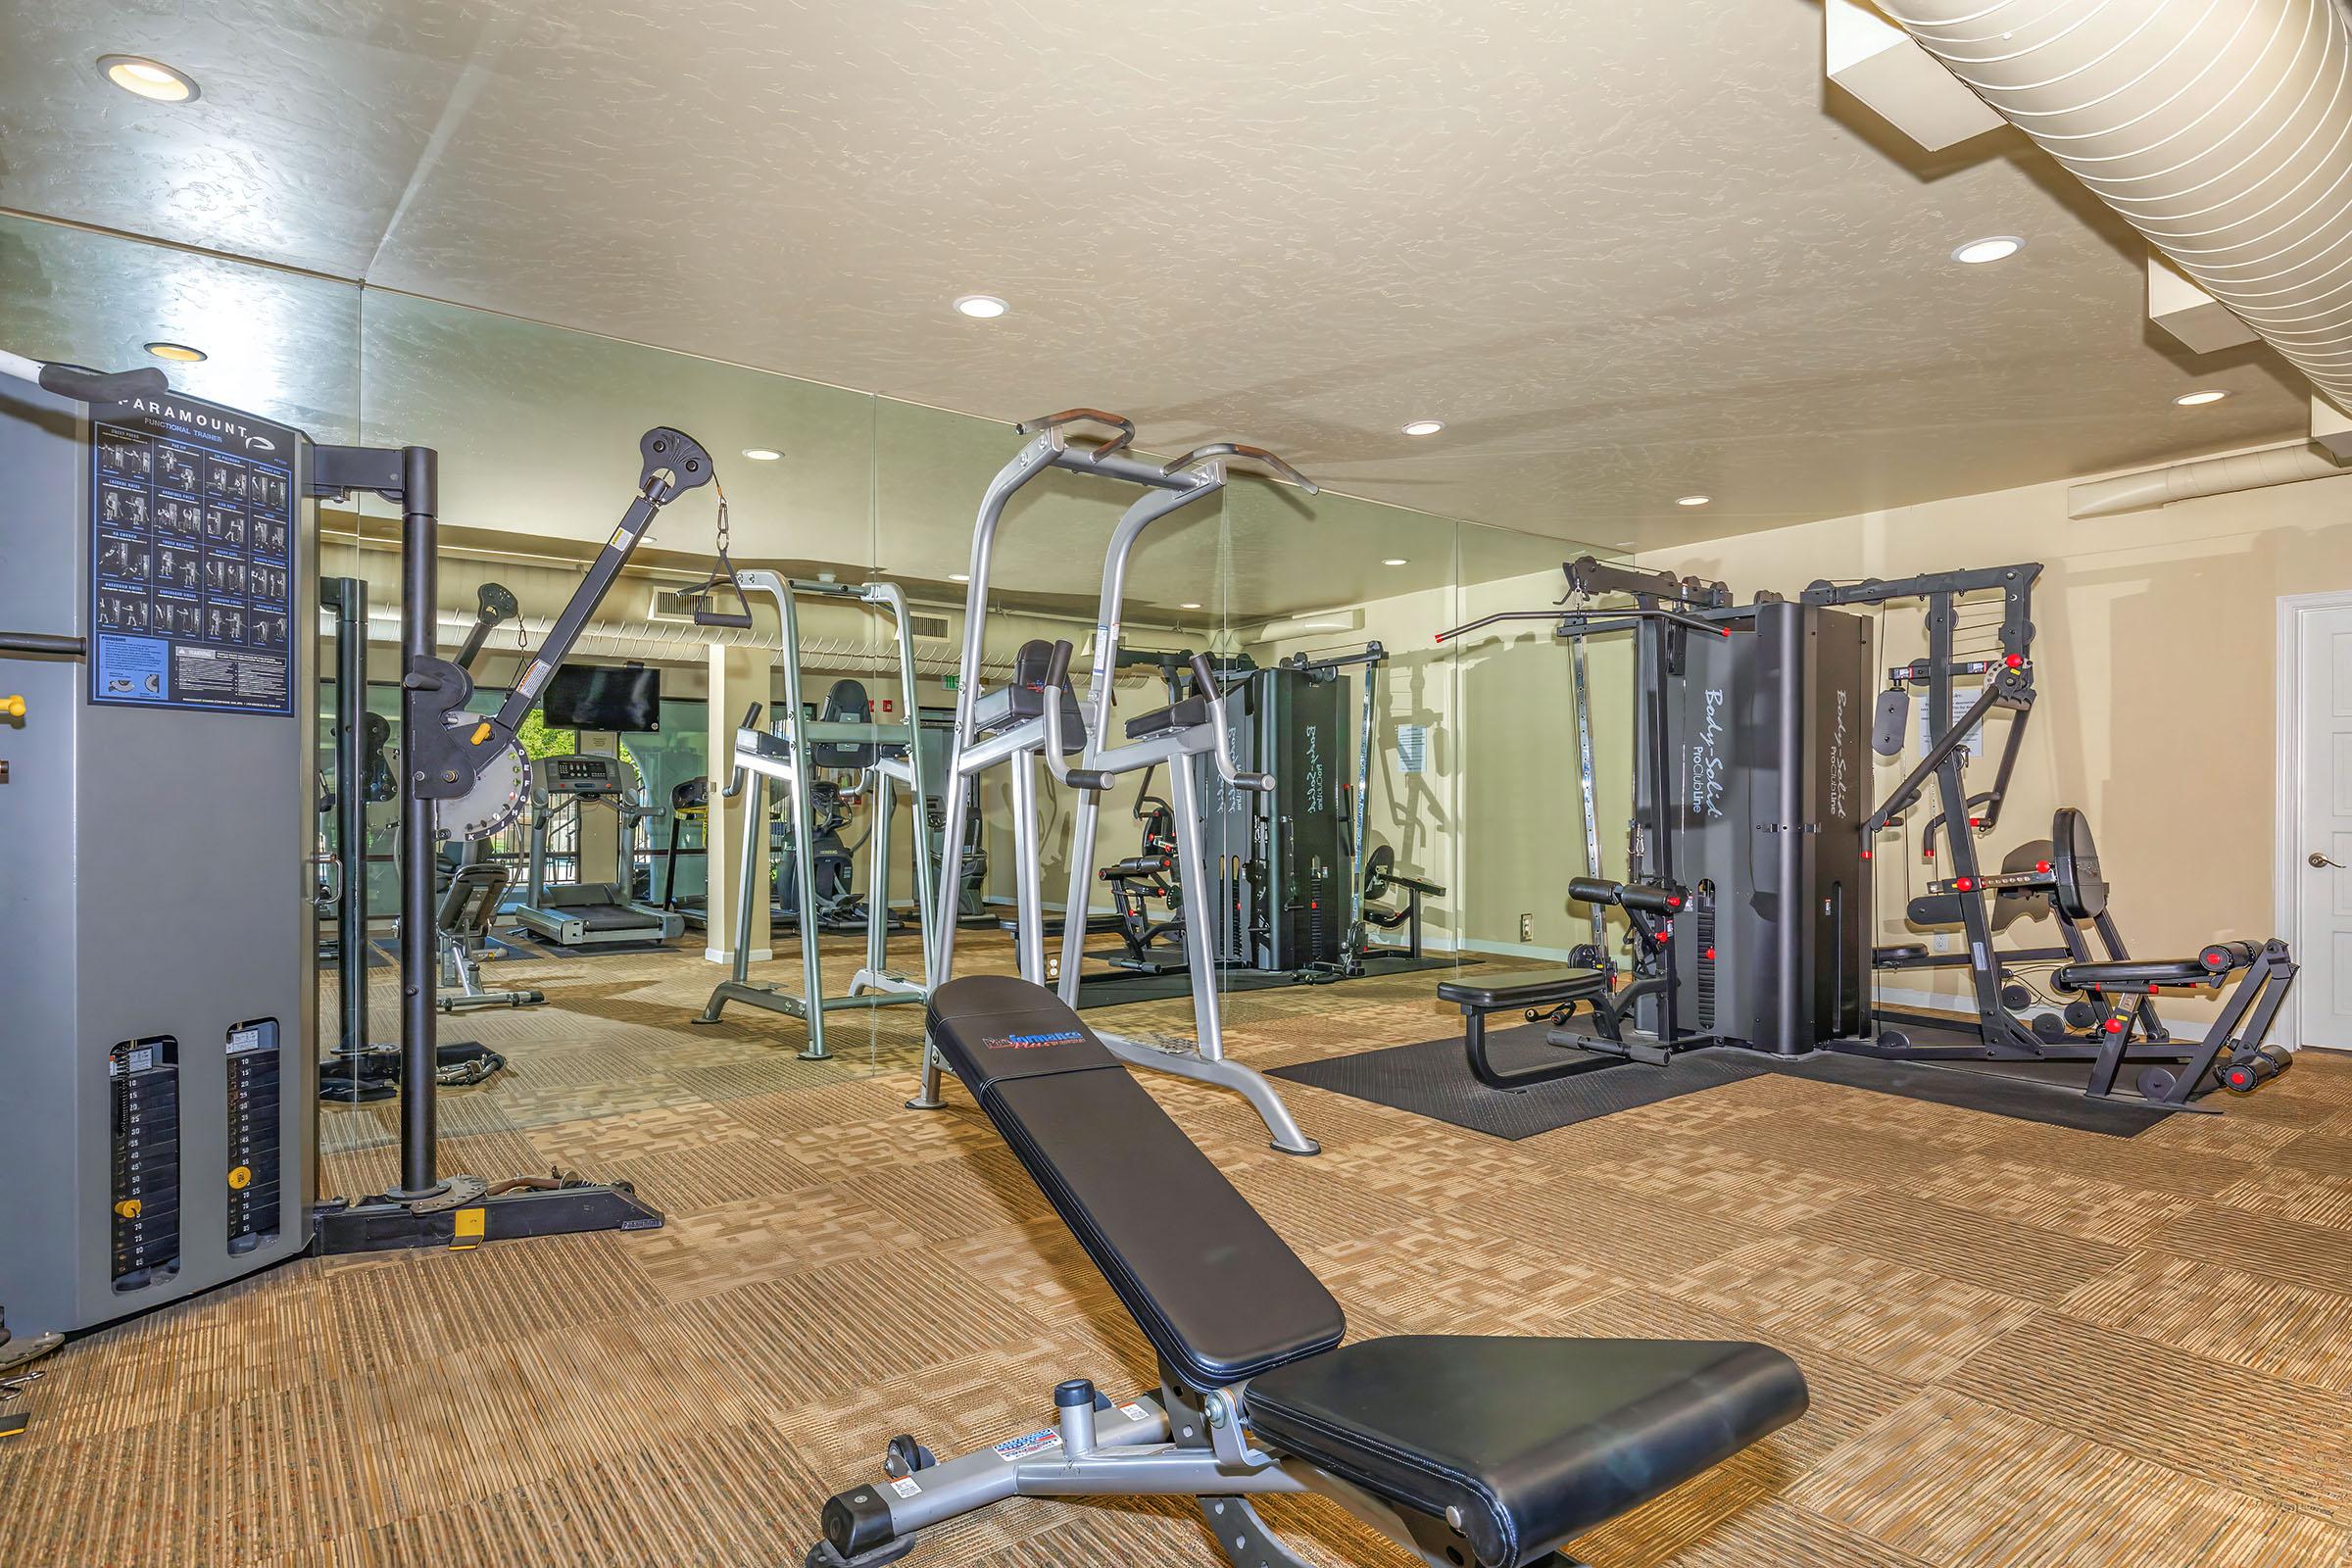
{"x": 2318, "y": 841}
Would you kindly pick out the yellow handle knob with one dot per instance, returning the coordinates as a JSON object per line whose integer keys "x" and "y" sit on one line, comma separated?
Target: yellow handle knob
{"x": 242, "y": 1177}
{"x": 11, "y": 706}
{"x": 129, "y": 1208}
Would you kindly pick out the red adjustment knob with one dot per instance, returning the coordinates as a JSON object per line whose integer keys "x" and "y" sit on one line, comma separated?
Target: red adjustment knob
{"x": 1710, "y": 955}
{"x": 1966, "y": 884}
{"x": 1673, "y": 902}
{"x": 2115, "y": 1026}
{"x": 2015, "y": 661}
{"x": 1866, "y": 854}
{"x": 2041, "y": 865}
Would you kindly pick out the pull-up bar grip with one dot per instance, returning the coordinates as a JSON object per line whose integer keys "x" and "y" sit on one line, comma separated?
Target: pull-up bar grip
{"x": 1204, "y": 676}
{"x": 1054, "y": 422}
{"x": 1236, "y": 449}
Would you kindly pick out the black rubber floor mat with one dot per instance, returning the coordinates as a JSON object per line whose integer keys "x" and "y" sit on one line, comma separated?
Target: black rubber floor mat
{"x": 1119, "y": 988}
{"x": 1433, "y": 1079}
{"x": 2050, "y": 1093}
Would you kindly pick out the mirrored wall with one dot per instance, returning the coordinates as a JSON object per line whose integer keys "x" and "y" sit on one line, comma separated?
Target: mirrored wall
{"x": 1455, "y": 764}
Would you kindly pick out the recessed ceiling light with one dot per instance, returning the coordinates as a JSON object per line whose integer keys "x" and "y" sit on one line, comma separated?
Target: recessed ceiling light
{"x": 2190, "y": 399}
{"x": 982, "y": 307}
{"x": 1187, "y": 604}
{"x": 1396, "y": 560}
{"x": 149, "y": 78}
{"x": 1992, "y": 248}
{"x": 761, "y": 454}
{"x": 1425, "y": 427}
{"x": 959, "y": 576}
{"x": 1693, "y": 500}
{"x": 177, "y": 353}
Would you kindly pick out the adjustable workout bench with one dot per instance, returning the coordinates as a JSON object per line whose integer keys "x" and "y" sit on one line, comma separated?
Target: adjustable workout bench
{"x": 461, "y": 923}
{"x": 1470, "y": 1452}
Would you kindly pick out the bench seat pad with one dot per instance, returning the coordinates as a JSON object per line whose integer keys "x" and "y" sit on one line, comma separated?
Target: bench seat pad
{"x": 1524, "y": 988}
{"x": 1533, "y": 1439}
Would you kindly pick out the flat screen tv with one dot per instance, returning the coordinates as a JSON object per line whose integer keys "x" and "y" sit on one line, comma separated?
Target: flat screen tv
{"x": 626, "y": 699}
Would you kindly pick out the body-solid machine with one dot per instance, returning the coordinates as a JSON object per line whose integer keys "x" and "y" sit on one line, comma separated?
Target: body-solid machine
{"x": 787, "y": 757}
{"x": 1749, "y": 893}
{"x": 2110, "y": 1023}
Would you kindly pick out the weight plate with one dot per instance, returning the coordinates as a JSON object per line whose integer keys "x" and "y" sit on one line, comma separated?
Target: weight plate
{"x": 495, "y": 798}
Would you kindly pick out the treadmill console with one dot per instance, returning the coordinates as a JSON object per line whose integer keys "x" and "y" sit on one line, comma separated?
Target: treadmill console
{"x": 588, "y": 773}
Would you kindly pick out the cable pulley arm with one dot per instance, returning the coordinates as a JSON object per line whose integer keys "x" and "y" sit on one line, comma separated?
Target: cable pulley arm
{"x": 449, "y": 759}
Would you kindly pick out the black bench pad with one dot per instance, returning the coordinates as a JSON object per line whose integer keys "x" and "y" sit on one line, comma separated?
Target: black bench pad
{"x": 1190, "y": 713}
{"x": 1524, "y": 988}
{"x": 2130, "y": 972}
{"x": 1533, "y": 1439}
{"x": 1219, "y": 1294}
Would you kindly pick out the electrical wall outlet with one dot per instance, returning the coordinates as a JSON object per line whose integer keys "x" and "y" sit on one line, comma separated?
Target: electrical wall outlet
{"x": 1527, "y": 928}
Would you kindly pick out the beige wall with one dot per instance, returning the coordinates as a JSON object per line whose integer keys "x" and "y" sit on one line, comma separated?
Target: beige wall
{"x": 2155, "y": 666}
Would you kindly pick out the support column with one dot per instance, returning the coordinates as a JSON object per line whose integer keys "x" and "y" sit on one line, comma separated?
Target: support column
{"x": 739, "y": 677}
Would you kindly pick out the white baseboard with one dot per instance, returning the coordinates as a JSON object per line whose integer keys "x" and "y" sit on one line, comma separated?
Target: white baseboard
{"x": 727, "y": 955}
{"x": 1514, "y": 950}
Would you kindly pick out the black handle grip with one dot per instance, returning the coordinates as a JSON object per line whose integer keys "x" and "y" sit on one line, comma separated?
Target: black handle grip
{"x": 1644, "y": 897}
{"x": 1088, "y": 778}
{"x": 2219, "y": 957}
{"x": 704, "y": 616}
{"x": 1204, "y": 675}
{"x": 104, "y": 386}
{"x": 1057, "y": 667}
{"x": 750, "y": 720}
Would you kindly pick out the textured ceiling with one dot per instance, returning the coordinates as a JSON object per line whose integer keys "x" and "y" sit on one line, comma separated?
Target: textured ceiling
{"x": 1626, "y": 252}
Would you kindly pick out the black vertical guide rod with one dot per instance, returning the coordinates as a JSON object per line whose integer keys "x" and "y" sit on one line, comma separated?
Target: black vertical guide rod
{"x": 349, "y": 596}
{"x": 420, "y": 1025}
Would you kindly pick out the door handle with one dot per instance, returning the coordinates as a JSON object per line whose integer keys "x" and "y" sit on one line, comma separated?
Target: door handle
{"x": 2316, "y": 860}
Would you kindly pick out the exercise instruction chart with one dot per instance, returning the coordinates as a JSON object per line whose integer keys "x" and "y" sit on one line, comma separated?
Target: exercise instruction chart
{"x": 191, "y": 556}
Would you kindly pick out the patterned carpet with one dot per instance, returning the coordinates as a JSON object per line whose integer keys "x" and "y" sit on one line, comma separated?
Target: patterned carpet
{"x": 2028, "y": 1347}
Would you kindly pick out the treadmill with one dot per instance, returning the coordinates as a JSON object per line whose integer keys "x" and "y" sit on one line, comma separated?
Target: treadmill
{"x": 585, "y": 915}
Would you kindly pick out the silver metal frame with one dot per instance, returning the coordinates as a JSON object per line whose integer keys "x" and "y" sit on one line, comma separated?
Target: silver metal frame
{"x": 781, "y": 755}
{"x": 1133, "y": 1450}
{"x": 1168, "y": 489}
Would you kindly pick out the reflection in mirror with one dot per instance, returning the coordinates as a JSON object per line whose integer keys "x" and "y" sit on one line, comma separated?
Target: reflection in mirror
{"x": 1524, "y": 829}
{"x": 284, "y": 345}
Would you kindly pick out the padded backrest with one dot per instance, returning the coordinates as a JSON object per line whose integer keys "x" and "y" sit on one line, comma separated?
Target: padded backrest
{"x": 846, "y": 704}
{"x": 2074, "y": 863}
{"x": 1220, "y": 1296}
{"x": 470, "y": 900}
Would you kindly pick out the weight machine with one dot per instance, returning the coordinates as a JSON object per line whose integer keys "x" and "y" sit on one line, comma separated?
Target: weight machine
{"x": 787, "y": 756}
{"x": 199, "y": 1161}
{"x": 1035, "y": 715}
{"x": 2111, "y": 1022}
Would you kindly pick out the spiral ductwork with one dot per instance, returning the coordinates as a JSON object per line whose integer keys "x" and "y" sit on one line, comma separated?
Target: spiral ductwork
{"x": 2221, "y": 129}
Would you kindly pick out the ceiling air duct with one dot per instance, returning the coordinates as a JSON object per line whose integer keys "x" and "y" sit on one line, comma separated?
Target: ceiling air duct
{"x": 2221, "y": 129}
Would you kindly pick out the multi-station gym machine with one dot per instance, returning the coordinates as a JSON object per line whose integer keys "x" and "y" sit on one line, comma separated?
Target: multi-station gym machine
{"x": 159, "y": 616}
{"x": 1748, "y": 898}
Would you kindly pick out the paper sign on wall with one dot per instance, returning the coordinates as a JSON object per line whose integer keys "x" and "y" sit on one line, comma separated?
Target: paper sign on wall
{"x": 1412, "y": 748}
